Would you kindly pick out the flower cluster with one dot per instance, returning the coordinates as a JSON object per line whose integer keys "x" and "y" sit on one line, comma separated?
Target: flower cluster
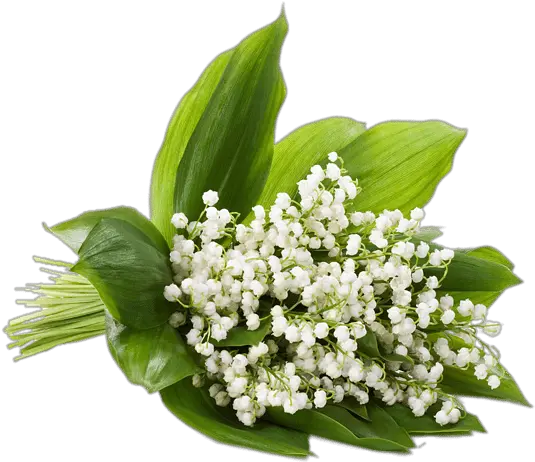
{"x": 346, "y": 304}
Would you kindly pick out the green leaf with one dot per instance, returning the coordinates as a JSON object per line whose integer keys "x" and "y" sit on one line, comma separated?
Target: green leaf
{"x": 179, "y": 131}
{"x": 129, "y": 273}
{"x": 195, "y": 407}
{"x": 353, "y": 406}
{"x": 426, "y": 425}
{"x": 397, "y": 358}
{"x": 74, "y": 232}
{"x": 427, "y": 234}
{"x": 153, "y": 358}
{"x": 368, "y": 345}
{"x": 241, "y": 336}
{"x": 231, "y": 148}
{"x": 465, "y": 383}
{"x": 490, "y": 254}
{"x": 336, "y": 423}
{"x": 307, "y": 146}
{"x": 482, "y": 280}
{"x": 399, "y": 164}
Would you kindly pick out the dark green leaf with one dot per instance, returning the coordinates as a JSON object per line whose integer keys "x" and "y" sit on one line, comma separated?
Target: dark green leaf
{"x": 397, "y": 358}
{"x": 368, "y": 345}
{"x": 241, "y": 336}
{"x": 129, "y": 273}
{"x": 181, "y": 126}
{"x": 195, "y": 407}
{"x": 426, "y": 425}
{"x": 74, "y": 232}
{"x": 153, "y": 358}
{"x": 465, "y": 383}
{"x": 399, "y": 164}
{"x": 482, "y": 280}
{"x": 231, "y": 148}
{"x": 352, "y": 405}
{"x": 307, "y": 146}
{"x": 336, "y": 423}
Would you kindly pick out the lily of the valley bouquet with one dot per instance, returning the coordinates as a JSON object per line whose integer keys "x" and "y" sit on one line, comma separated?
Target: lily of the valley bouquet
{"x": 284, "y": 290}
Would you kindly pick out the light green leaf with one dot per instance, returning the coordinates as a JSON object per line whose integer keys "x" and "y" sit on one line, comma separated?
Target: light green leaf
{"x": 490, "y": 254}
{"x": 399, "y": 164}
{"x": 482, "y": 280}
{"x": 426, "y": 425}
{"x": 427, "y": 234}
{"x": 241, "y": 336}
{"x": 153, "y": 358}
{"x": 336, "y": 423}
{"x": 231, "y": 148}
{"x": 195, "y": 407}
{"x": 307, "y": 146}
{"x": 465, "y": 383}
{"x": 353, "y": 406}
{"x": 129, "y": 273}
{"x": 181, "y": 126}
{"x": 74, "y": 232}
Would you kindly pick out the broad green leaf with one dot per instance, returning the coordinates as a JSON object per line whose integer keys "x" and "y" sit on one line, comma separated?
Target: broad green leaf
{"x": 181, "y": 126}
{"x": 352, "y": 405}
{"x": 368, "y": 345}
{"x": 195, "y": 407}
{"x": 153, "y": 358}
{"x": 336, "y": 423}
{"x": 427, "y": 234}
{"x": 129, "y": 273}
{"x": 231, "y": 147}
{"x": 307, "y": 146}
{"x": 399, "y": 164}
{"x": 241, "y": 336}
{"x": 74, "y": 232}
{"x": 482, "y": 280}
{"x": 465, "y": 383}
{"x": 426, "y": 425}
{"x": 490, "y": 254}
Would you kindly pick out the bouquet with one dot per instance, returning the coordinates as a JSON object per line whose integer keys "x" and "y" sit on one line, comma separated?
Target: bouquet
{"x": 284, "y": 290}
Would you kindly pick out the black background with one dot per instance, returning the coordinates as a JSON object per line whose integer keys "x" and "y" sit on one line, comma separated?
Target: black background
{"x": 92, "y": 91}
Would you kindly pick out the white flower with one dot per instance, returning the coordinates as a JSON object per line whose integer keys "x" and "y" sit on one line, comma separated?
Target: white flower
{"x": 422, "y": 250}
{"x": 172, "y": 292}
{"x": 320, "y": 398}
{"x": 481, "y": 371}
{"x": 466, "y": 308}
{"x": 417, "y": 213}
{"x": 179, "y": 220}
{"x": 332, "y": 172}
{"x": 253, "y": 321}
{"x": 332, "y": 156}
{"x": 210, "y": 198}
{"x": 446, "y": 254}
{"x": 283, "y": 201}
{"x": 493, "y": 381}
{"x": 447, "y": 317}
{"x": 321, "y": 330}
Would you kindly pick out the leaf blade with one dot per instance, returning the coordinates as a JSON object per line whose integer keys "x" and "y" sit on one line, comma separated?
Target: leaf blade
{"x": 426, "y": 425}
{"x": 194, "y": 407}
{"x": 231, "y": 148}
{"x": 114, "y": 258}
{"x": 74, "y": 232}
{"x": 153, "y": 358}
{"x": 399, "y": 164}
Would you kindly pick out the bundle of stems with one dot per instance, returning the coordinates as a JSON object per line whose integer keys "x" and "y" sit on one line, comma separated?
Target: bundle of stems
{"x": 69, "y": 309}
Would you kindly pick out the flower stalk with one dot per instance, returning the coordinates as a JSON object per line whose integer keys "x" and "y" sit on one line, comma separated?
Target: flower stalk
{"x": 69, "y": 309}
